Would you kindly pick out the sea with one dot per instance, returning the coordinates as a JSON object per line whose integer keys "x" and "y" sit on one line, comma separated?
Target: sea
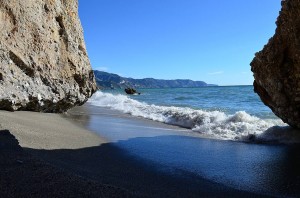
{"x": 220, "y": 112}
{"x": 224, "y": 134}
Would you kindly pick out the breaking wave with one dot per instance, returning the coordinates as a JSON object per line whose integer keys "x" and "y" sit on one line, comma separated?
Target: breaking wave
{"x": 214, "y": 124}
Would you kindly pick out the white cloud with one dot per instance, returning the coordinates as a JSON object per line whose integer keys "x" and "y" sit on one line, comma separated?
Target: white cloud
{"x": 216, "y": 73}
{"x": 101, "y": 68}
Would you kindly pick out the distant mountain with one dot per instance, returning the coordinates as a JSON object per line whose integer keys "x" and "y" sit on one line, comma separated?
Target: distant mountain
{"x": 108, "y": 80}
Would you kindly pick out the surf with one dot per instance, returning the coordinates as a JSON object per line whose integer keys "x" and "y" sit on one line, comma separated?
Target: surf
{"x": 239, "y": 126}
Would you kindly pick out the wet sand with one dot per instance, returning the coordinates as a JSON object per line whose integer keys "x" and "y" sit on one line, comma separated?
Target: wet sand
{"x": 117, "y": 151}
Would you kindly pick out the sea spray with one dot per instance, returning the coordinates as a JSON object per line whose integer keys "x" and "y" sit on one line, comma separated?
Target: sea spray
{"x": 216, "y": 124}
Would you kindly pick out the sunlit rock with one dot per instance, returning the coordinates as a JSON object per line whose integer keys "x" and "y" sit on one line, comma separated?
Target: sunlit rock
{"x": 43, "y": 60}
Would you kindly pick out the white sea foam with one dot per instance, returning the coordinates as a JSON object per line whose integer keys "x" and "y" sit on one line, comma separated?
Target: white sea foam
{"x": 215, "y": 124}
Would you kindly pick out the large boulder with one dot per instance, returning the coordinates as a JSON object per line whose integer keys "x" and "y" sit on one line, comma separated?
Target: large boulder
{"x": 277, "y": 67}
{"x": 43, "y": 60}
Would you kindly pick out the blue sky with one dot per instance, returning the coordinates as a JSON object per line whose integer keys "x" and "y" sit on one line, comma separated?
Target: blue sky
{"x": 209, "y": 40}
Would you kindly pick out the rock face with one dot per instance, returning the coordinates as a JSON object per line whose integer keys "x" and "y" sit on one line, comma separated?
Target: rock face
{"x": 43, "y": 60}
{"x": 277, "y": 67}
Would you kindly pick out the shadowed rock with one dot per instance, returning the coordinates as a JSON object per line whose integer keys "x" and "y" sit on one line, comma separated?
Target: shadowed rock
{"x": 43, "y": 61}
{"x": 277, "y": 67}
{"x": 131, "y": 91}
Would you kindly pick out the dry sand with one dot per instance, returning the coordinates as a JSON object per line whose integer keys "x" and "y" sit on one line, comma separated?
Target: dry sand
{"x": 47, "y": 131}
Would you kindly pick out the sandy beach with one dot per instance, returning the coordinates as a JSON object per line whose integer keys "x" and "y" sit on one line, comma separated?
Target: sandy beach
{"x": 62, "y": 144}
{"x": 47, "y": 131}
{"x": 23, "y": 174}
{"x": 102, "y": 152}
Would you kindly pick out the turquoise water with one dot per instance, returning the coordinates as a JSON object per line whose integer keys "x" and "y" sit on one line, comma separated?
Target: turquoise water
{"x": 228, "y": 99}
{"x": 229, "y": 113}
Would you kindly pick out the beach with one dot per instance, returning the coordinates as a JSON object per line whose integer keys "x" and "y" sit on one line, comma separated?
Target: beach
{"x": 64, "y": 144}
{"x": 47, "y": 131}
{"x": 197, "y": 165}
{"x": 138, "y": 157}
{"x": 149, "y": 105}
{"x": 22, "y": 174}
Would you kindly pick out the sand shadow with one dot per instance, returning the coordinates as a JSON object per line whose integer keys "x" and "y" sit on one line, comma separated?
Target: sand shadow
{"x": 111, "y": 165}
{"x": 25, "y": 175}
{"x": 276, "y": 168}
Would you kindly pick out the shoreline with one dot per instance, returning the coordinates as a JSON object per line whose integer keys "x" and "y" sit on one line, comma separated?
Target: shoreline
{"x": 75, "y": 149}
{"x": 256, "y": 168}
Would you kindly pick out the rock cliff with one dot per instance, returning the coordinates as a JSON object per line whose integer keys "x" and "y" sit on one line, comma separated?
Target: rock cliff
{"x": 277, "y": 67}
{"x": 43, "y": 60}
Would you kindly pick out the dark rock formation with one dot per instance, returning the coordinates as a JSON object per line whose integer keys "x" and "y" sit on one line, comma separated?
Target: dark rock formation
{"x": 277, "y": 67}
{"x": 43, "y": 62}
{"x": 131, "y": 91}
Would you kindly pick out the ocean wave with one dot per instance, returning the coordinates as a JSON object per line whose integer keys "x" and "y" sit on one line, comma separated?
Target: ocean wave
{"x": 214, "y": 124}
